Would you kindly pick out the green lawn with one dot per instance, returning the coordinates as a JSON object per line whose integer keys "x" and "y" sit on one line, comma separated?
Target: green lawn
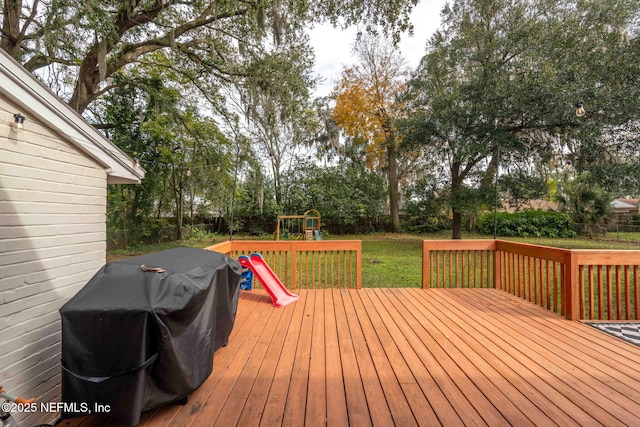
{"x": 394, "y": 263}
{"x": 390, "y": 260}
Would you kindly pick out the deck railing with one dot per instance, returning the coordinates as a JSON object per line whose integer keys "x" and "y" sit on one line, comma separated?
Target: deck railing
{"x": 578, "y": 284}
{"x": 610, "y": 284}
{"x": 305, "y": 264}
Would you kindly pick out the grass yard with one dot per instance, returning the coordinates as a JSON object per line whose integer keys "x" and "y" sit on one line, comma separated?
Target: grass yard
{"x": 390, "y": 260}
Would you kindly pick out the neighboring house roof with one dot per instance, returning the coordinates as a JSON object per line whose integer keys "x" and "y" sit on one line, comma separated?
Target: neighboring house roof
{"x": 625, "y": 204}
{"x": 23, "y": 89}
{"x": 544, "y": 205}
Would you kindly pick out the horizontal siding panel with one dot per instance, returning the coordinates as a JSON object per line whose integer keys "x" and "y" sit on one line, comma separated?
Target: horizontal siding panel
{"x": 31, "y": 207}
{"x": 33, "y": 145}
{"x": 43, "y": 378}
{"x": 21, "y": 347}
{"x": 22, "y": 310}
{"x": 31, "y": 243}
{"x": 17, "y": 183}
{"x": 32, "y": 324}
{"x": 63, "y": 262}
{"x": 49, "y": 230}
{"x": 47, "y": 391}
{"x": 62, "y": 276}
{"x": 50, "y": 219}
{"x": 14, "y": 289}
{"x": 74, "y": 164}
{"x": 38, "y": 300}
{"x": 88, "y": 169}
{"x": 12, "y": 157}
{"x": 15, "y": 257}
{"x": 64, "y": 177}
{"x": 22, "y": 196}
{"x": 35, "y": 375}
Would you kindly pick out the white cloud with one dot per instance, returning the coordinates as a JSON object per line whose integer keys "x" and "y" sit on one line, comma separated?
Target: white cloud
{"x": 333, "y": 47}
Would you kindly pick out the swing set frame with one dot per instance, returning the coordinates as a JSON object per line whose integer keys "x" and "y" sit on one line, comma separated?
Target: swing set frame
{"x": 310, "y": 223}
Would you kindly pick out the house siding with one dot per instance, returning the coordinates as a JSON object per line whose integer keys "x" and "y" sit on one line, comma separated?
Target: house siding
{"x": 52, "y": 241}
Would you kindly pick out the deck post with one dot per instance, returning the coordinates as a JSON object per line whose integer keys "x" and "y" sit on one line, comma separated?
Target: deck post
{"x": 497, "y": 268}
{"x": 359, "y": 265}
{"x": 425, "y": 264}
{"x": 294, "y": 265}
{"x": 570, "y": 296}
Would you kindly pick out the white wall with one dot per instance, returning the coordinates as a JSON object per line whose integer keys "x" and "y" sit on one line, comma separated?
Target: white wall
{"x": 52, "y": 241}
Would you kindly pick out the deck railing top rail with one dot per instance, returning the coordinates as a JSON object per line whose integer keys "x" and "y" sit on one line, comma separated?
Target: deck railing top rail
{"x": 305, "y": 264}
{"x": 577, "y": 283}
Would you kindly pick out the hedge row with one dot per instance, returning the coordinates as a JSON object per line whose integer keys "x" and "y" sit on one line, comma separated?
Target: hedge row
{"x": 528, "y": 223}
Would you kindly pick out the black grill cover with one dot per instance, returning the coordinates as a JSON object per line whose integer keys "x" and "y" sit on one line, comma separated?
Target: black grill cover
{"x": 135, "y": 339}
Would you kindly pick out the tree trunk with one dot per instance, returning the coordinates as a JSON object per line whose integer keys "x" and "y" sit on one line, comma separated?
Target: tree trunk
{"x": 179, "y": 215}
{"x": 10, "y": 40}
{"x": 88, "y": 81}
{"x": 456, "y": 225}
{"x": 394, "y": 197}
{"x": 456, "y": 186}
{"x": 178, "y": 195}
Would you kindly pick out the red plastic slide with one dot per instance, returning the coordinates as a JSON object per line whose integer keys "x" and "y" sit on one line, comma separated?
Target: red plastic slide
{"x": 280, "y": 295}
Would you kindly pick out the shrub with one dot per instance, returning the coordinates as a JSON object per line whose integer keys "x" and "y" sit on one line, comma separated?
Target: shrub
{"x": 528, "y": 223}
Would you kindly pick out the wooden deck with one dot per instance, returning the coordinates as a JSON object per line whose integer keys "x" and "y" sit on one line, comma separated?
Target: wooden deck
{"x": 409, "y": 357}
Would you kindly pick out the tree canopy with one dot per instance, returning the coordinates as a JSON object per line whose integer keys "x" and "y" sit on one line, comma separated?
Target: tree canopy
{"x": 367, "y": 109}
{"x": 501, "y": 79}
{"x": 84, "y": 44}
{"x": 192, "y": 88}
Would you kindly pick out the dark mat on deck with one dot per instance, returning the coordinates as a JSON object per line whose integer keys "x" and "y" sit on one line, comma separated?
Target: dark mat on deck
{"x": 628, "y": 331}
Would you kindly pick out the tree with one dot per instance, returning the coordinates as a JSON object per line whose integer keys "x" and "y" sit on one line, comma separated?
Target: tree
{"x": 521, "y": 186}
{"x": 347, "y": 195}
{"x": 502, "y": 77}
{"x": 587, "y": 205}
{"x": 276, "y": 106}
{"x": 186, "y": 156}
{"x": 367, "y": 109}
{"x": 85, "y": 44}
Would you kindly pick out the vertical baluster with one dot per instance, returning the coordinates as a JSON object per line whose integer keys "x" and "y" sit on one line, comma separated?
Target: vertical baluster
{"x": 509, "y": 284}
{"x": 600, "y": 294}
{"x": 618, "y": 294}
{"x": 627, "y": 293}
{"x": 307, "y": 270}
{"x": 636, "y": 293}
{"x": 560, "y": 294}
{"x": 350, "y": 268}
{"x": 591, "y": 294}
{"x": 535, "y": 281}
{"x": 475, "y": 269}
{"x": 514, "y": 274}
{"x": 553, "y": 294}
{"x": 450, "y": 268}
{"x": 436, "y": 275}
{"x": 483, "y": 270}
{"x": 609, "y": 294}
{"x": 326, "y": 268}
{"x": 581, "y": 290}
{"x": 548, "y": 288}
{"x": 456, "y": 269}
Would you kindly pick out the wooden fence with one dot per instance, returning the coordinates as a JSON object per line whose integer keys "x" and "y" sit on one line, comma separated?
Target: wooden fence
{"x": 578, "y": 284}
{"x": 305, "y": 264}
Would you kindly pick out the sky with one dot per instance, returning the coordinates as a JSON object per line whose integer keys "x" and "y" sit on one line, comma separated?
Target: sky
{"x": 333, "y": 46}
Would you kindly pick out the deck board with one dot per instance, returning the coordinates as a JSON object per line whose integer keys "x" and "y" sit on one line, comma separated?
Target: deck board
{"x": 409, "y": 357}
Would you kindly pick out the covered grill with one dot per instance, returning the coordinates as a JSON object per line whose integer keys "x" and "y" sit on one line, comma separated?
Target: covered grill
{"x": 142, "y": 332}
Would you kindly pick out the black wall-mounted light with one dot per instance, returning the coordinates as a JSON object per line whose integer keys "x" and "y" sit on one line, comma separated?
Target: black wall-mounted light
{"x": 580, "y": 109}
{"x": 19, "y": 118}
